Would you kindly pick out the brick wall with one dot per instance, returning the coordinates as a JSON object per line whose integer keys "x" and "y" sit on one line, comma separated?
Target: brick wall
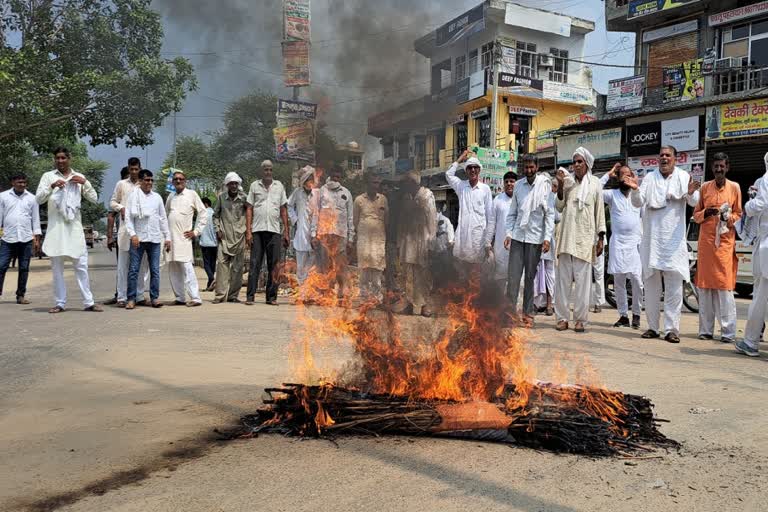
{"x": 666, "y": 52}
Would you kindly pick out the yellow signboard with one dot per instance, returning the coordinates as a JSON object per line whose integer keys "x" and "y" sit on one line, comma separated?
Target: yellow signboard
{"x": 735, "y": 120}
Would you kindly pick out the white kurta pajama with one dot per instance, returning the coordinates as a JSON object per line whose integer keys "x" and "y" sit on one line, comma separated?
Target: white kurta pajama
{"x": 545, "y": 273}
{"x": 181, "y": 209}
{"x": 120, "y": 197}
{"x": 624, "y": 248}
{"x": 583, "y": 217}
{"x": 499, "y": 229}
{"x": 64, "y": 237}
{"x": 663, "y": 249}
{"x": 300, "y": 215}
{"x": 757, "y": 210}
{"x": 475, "y": 210}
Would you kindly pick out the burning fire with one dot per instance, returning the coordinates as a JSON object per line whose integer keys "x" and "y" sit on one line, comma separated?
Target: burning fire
{"x": 474, "y": 358}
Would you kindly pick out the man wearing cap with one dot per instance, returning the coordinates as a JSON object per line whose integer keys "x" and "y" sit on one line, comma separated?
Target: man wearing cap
{"x": 267, "y": 218}
{"x": 182, "y": 206}
{"x": 230, "y": 224}
{"x": 371, "y": 213}
{"x": 416, "y": 234}
{"x": 333, "y": 228}
{"x": 299, "y": 212}
{"x": 580, "y": 201}
{"x": 473, "y": 234}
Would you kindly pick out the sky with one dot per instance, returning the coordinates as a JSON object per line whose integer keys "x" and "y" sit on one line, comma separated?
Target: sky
{"x": 362, "y": 60}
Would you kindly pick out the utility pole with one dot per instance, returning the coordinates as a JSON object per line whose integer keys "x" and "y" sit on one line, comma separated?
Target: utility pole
{"x": 174, "y": 140}
{"x": 494, "y": 105}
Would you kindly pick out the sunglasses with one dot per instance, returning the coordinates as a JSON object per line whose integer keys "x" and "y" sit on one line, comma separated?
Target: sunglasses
{"x": 179, "y": 179}
{"x": 149, "y": 180}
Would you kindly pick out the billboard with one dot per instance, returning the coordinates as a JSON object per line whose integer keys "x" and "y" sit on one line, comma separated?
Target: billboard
{"x": 567, "y": 93}
{"x": 296, "y": 15}
{"x": 690, "y": 161}
{"x": 602, "y": 144}
{"x": 684, "y": 81}
{"x": 296, "y": 63}
{"x": 736, "y": 120}
{"x": 639, "y": 8}
{"x": 295, "y": 141}
{"x": 625, "y": 94}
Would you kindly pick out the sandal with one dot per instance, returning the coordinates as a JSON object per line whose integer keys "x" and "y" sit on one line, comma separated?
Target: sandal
{"x": 130, "y": 305}
{"x": 157, "y": 304}
{"x": 57, "y": 309}
{"x": 562, "y": 325}
{"x": 94, "y": 308}
{"x": 579, "y": 327}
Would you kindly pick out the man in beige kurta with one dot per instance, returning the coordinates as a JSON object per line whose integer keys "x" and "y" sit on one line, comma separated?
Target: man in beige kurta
{"x": 416, "y": 233}
{"x": 229, "y": 222}
{"x": 580, "y": 201}
{"x": 371, "y": 212}
{"x": 181, "y": 206}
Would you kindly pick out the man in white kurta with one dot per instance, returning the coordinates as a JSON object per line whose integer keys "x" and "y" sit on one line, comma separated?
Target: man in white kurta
{"x": 371, "y": 216}
{"x": 530, "y": 224}
{"x": 664, "y": 195}
{"x": 499, "y": 229}
{"x": 182, "y": 205}
{"x": 63, "y": 190}
{"x": 544, "y": 284}
{"x": 757, "y": 211}
{"x": 580, "y": 201}
{"x": 300, "y": 216}
{"x": 624, "y": 246}
{"x": 118, "y": 203}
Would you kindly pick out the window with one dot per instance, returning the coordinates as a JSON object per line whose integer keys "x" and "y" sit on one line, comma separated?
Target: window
{"x": 461, "y": 67}
{"x": 747, "y": 46}
{"x": 402, "y": 147}
{"x": 526, "y": 60}
{"x": 559, "y": 72}
{"x": 473, "y": 61}
{"x": 487, "y": 55}
{"x": 355, "y": 162}
{"x": 484, "y": 132}
{"x": 388, "y": 147}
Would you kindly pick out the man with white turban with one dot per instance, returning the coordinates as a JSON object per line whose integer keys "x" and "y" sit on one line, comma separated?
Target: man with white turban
{"x": 230, "y": 224}
{"x": 300, "y": 215}
{"x": 530, "y": 224}
{"x": 664, "y": 194}
{"x": 580, "y": 201}
{"x": 473, "y": 234}
{"x": 757, "y": 211}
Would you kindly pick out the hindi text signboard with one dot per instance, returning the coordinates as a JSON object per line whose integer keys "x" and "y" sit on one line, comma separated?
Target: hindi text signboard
{"x": 735, "y": 120}
{"x": 602, "y": 144}
{"x": 625, "y": 94}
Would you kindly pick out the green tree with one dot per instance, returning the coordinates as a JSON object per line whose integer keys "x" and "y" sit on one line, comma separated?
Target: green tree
{"x": 84, "y": 68}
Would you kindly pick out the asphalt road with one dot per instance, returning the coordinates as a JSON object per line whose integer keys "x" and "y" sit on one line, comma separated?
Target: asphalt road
{"x": 115, "y": 411}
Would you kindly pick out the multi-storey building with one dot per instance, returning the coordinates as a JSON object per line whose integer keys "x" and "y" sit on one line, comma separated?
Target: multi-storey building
{"x": 700, "y": 83}
{"x": 541, "y": 83}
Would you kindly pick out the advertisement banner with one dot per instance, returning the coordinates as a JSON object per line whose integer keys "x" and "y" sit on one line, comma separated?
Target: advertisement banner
{"x": 470, "y": 22}
{"x": 639, "y": 8}
{"x": 692, "y": 162}
{"x": 495, "y": 166}
{"x": 580, "y": 118}
{"x": 644, "y": 139}
{"x": 471, "y": 87}
{"x": 737, "y": 14}
{"x": 296, "y": 16}
{"x": 545, "y": 139}
{"x": 567, "y": 93}
{"x": 602, "y": 144}
{"x": 296, "y": 64}
{"x": 290, "y": 109}
{"x": 625, "y": 94}
{"x": 735, "y": 120}
{"x": 684, "y": 81}
{"x": 295, "y": 141}
{"x": 683, "y": 133}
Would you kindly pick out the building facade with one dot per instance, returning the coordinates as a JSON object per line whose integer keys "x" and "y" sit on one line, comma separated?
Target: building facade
{"x": 539, "y": 85}
{"x": 700, "y": 83}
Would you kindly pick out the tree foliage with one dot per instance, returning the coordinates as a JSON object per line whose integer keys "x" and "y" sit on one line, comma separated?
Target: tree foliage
{"x": 84, "y": 68}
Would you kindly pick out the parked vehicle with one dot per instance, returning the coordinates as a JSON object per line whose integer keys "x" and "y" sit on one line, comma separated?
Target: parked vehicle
{"x": 744, "y": 278}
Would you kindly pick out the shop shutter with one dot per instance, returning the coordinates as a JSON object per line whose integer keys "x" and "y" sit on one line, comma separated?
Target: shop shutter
{"x": 670, "y": 51}
{"x": 746, "y": 160}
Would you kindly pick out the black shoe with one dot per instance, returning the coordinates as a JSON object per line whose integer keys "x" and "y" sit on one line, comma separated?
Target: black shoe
{"x": 705, "y": 336}
{"x": 672, "y": 338}
{"x": 623, "y": 322}
{"x": 635, "y": 321}
{"x": 650, "y": 334}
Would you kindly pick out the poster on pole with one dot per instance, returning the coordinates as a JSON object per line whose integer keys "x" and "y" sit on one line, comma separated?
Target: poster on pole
{"x": 295, "y": 141}
{"x": 296, "y": 63}
{"x": 684, "y": 81}
{"x": 625, "y": 93}
{"x": 296, "y": 14}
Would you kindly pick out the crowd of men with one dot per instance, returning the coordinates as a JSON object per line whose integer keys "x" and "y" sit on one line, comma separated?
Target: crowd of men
{"x": 542, "y": 235}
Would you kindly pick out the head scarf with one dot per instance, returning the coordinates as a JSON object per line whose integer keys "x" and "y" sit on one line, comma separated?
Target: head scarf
{"x": 590, "y": 161}
{"x": 306, "y": 172}
{"x": 266, "y": 163}
{"x": 232, "y": 176}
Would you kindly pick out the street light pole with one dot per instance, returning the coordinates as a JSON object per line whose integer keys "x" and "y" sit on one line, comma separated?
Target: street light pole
{"x": 494, "y": 105}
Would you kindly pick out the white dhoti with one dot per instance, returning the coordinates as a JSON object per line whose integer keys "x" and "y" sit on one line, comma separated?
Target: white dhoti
{"x": 720, "y": 305}
{"x": 304, "y": 262}
{"x": 80, "y": 266}
{"x": 577, "y": 273}
{"x": 598, "y": 285}
{"x": 758, "y": 314}
{"x": 545, "y": 282}
{"x": 673, "y": 301}
{"x": 620, "y": 288}
{"x": 183, "y": 278}
{"x": 123, "y": 262}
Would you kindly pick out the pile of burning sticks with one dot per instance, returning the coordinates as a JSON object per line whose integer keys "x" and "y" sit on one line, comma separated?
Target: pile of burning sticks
{"x": 557, "y": 418}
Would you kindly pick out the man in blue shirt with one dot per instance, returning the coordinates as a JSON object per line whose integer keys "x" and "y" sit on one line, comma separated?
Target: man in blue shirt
{"x": 209, "y": 246}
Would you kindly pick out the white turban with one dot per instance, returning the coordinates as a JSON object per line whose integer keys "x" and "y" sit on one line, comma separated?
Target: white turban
{"x": 590, "y": 161}
{"x": 232, "y": 176}
{"x": 765, "y": 159}
{"x": 473, "y": 161}
{"x": 266, "y": 163}
{"x": 306, "y": 172}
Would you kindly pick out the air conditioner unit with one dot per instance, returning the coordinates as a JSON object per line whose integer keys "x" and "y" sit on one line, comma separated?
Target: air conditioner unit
{"x": 546, "y": 61}
{"x": 727, "y": 64}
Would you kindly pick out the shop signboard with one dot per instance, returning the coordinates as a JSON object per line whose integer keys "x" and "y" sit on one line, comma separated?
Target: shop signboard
{"x": 470, "y": 22}
{"x": 567, "y": 93}
{"x": 602, "y": 144}
{"x": 545, "y": 139}
{"x": 639, "y": 8}
{"x": 523, "y": 111}
{"x": 684, "y": 81}
{"x": 644, "y": 139}
{"x": 625, "y": 94}
{"x": 683, "y": 133}
{"x": 512, "y": 80}
{"x": 735, "y": 120}
{"x": 740, "y": 13}
{"x": 580, "y": 118}
{"x": 689, "y": 161}
{"x": 290, "y": 109}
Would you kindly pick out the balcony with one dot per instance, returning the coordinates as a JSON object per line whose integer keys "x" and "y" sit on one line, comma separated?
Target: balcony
{"x": 746, "y": 79}
{"x": 617, "y": 14}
